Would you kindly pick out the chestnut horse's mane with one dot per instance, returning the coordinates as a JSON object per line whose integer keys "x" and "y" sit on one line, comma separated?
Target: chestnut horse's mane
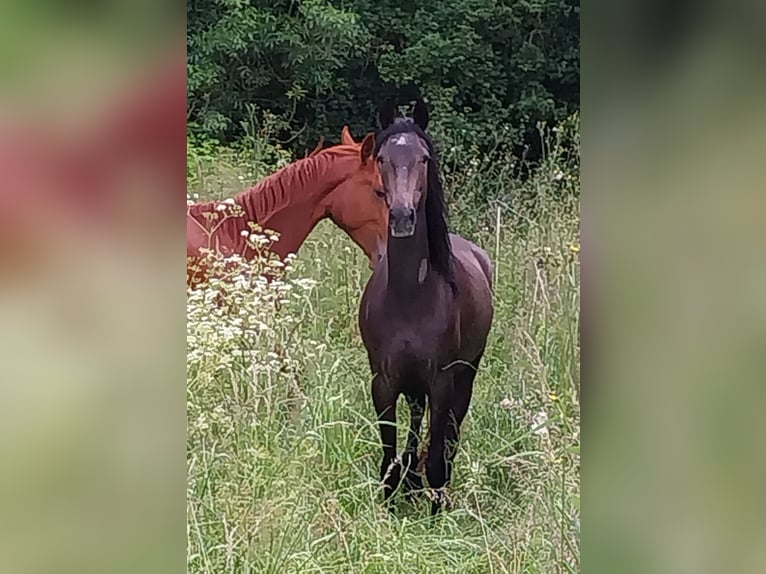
{"x": 277, "y": 190}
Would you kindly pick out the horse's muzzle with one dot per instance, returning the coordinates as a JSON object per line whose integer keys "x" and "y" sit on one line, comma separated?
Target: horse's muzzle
{"x": 378, "y": 257}
{"x": 402, "y": 221}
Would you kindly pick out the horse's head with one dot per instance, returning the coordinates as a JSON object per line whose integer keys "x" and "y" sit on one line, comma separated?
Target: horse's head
{"x": 403, "y": 156}
{"x": 357, "y": 206}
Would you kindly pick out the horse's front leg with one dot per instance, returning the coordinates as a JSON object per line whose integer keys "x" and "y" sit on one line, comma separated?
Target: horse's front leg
{"x": 417, "y": 404}
{"x": 463, "y": 376}
{"x": 384, "y": 398}
{"x": 437, "y": 464}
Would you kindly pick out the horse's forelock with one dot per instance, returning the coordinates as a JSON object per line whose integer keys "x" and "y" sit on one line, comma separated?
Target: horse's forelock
{"x": 401, "y": 126}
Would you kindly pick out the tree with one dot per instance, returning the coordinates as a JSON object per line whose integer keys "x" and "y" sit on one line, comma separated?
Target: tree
{"x": 491, "y": 69}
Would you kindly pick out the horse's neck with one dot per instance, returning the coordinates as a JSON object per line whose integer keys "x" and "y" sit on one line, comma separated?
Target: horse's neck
{"x": 408, "y": 259}
{"x": 294, "y": 224}
{"x": 290, "y": 202}
{"x": 303, "y": 183}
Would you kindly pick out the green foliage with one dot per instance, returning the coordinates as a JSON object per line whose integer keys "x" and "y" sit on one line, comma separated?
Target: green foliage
{"x": 276, "y": 56}
{"x": 206, "y": 156}
{"x": 200, "y": 152}
{"x": 492, "y": 69}
{"x": 483, "y": 180}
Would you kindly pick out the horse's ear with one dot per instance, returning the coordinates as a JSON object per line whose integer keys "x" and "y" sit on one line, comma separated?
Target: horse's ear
{"x": 368, "y": 146}
{"x": 318, "y": 147}
{"x": 420, "y": 114}
{"x": 346, "y": 137}
{"x": 387, "y": 113}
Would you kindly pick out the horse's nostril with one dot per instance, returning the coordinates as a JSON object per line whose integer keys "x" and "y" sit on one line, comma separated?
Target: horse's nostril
{"x": 402, "y": 221}
{"x": 402, "y": 214}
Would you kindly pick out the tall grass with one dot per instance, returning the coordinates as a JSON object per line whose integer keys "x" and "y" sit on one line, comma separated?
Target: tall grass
{"x": 283, "y": 459}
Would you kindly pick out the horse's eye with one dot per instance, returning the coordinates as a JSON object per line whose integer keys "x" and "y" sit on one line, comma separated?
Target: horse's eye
{"x": 379, "y": 159}
{"x": 425, "y": 159}
{"x": 379, "y": 192}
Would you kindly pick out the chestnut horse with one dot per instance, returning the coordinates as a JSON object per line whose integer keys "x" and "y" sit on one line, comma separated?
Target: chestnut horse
{"x": 426, "y": 311}
{"x": 338, "y": 182}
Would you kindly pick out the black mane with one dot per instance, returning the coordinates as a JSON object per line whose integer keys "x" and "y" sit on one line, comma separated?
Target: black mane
{"x": 439, "y": 246}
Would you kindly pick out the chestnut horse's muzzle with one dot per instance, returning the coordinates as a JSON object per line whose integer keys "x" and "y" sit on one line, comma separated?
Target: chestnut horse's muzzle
{"x": 378, "y": 256}
{"x": 402, "y": 221}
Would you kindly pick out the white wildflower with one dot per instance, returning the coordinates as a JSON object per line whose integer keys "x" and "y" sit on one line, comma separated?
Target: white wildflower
{"x": 305, "y": 283}
{"x": 539, "y": 426}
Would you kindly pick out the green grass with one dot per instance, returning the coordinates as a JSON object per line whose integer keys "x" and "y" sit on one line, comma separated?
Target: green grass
{"x": 283, "y": 465}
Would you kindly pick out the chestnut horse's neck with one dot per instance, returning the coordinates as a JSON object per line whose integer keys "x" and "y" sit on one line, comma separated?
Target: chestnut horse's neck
{"x": 304, "y": 182}
{"x": 291, "y": 201}
{"x": 408, "y": 259}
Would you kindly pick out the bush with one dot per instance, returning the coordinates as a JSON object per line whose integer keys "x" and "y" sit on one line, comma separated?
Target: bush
{"x": 492, "y": 69}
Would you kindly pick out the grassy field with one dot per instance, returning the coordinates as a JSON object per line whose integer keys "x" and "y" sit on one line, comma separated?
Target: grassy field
{"x": 283, "y": 456}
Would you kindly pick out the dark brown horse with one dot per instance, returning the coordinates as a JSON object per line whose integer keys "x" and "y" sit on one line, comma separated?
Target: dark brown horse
{"x": 426, "y": 311}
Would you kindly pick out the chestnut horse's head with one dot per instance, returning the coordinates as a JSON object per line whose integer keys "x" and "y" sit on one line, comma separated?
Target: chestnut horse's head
{"x": 357, "y": 205}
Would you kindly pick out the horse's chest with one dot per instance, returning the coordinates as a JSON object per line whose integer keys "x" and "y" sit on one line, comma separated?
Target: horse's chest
{"x": 414, "y": 345}
{"x": 410, "y": 334}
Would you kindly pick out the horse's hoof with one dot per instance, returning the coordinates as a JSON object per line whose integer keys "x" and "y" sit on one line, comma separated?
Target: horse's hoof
{"x": 440, "y": 500}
